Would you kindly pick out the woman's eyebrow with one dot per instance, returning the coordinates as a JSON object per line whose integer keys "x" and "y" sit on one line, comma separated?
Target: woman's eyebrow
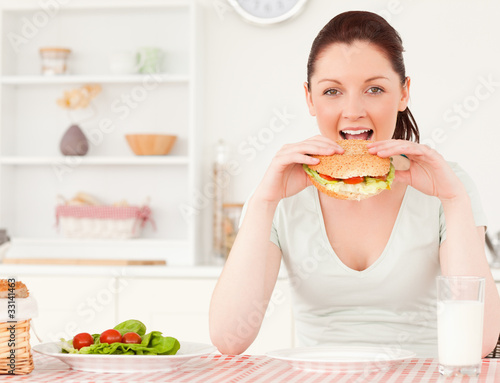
{"x": 330, "y": 80}
{"x": 376, "y": 78}
{"x": 367, "y": 80}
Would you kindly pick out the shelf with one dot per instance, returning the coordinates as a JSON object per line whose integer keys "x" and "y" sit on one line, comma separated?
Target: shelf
{"x": 173, "y": 251}
{"x": 135, "y": 242}
{"x": 82, "y": 5}
{"x": 204, "y": 272}
{"x": 77, "y": 160}
{"x": 102, "y": 79}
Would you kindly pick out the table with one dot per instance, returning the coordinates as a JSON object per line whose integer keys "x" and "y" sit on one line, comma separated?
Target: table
{"x": 217, "y": 368}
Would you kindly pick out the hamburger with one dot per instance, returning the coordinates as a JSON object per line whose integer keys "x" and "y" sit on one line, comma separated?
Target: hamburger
{"x": 354, "y": 175}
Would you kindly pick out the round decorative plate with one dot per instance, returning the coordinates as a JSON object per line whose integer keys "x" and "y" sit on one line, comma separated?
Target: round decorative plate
{"x": 126, "y": 363}
{"x": 342, "y": 358}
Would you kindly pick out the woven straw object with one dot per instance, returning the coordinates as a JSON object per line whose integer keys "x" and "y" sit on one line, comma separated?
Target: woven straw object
{"x": 23, "y": 359}
{"x": 119, "y": 222}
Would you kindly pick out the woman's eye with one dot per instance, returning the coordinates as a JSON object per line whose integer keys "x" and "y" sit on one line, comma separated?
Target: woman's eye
{"x": 332, "y": 92}
{"x": 375, "y": 90}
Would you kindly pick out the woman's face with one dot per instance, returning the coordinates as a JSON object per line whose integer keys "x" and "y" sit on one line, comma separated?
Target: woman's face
{"x": 355, "y": 93}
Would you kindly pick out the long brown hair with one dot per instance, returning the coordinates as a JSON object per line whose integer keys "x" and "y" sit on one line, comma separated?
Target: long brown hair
{"x": 353, "y": 26}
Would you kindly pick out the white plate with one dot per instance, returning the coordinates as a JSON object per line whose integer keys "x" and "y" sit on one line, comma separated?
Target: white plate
{"x": 342, "y": 358}
{"x": 126, "y": 363}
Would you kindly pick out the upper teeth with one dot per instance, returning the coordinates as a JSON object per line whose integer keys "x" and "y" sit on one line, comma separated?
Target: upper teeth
{"x": 355, "y": 131}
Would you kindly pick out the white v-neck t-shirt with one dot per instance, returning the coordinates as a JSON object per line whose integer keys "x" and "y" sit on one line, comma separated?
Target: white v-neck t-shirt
{"x": 392, "y": 303}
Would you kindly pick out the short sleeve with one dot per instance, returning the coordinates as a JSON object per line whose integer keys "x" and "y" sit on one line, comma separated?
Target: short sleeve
{"x": 477, "y": 208}
{"x": 274, "y": 231}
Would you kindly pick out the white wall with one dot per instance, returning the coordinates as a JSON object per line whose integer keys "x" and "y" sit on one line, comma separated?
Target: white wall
{"x": 452, "y": 47}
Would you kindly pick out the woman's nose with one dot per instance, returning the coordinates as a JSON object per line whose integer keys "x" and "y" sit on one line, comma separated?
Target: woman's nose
{"x": 353, "y": 108}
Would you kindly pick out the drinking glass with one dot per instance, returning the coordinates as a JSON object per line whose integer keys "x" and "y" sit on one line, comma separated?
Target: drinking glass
{"x": 460, "y": 311}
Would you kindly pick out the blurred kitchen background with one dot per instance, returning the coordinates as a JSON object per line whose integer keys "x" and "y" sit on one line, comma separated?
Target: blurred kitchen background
{"x": 224, "y": 91}
{"x": 218, "y": 77}
{"x": 220, "y": 94}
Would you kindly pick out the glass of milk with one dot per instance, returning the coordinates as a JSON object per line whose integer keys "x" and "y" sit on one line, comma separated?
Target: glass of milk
{"x": 460, "y": 310}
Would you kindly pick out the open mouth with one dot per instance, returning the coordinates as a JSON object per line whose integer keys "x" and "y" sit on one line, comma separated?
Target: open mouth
{"x": 361, "y": 134}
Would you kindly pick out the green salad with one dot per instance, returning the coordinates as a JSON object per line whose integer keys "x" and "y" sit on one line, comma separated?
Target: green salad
{"x": 126, "y": 338}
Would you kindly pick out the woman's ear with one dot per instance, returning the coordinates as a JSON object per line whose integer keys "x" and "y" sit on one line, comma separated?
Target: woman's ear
{"x": 310, "y": 104}
{"x": 405, "y": 95}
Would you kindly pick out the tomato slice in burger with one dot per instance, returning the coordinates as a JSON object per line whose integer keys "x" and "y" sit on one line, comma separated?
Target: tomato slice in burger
{"x": 328, "y": 178}
{"x": 354, "y": 180}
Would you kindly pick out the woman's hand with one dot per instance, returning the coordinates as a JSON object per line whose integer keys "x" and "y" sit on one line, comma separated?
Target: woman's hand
{"x": 428, "y": 173}
{"x": 285, "y": 176}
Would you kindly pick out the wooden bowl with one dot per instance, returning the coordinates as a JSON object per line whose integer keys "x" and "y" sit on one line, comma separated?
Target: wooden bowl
{"x": 151, "y": 144}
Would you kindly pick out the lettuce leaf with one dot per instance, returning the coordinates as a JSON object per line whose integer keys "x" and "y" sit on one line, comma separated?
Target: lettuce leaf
{"x": 164, "y": 345}
{"x": 132, "y": 325}
{"x": 316, "y": 176}
{"x": 67, "y": 347}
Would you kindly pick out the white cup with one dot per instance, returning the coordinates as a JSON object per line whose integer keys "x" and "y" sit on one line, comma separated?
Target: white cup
{"x": 123, "y": 63}
{"x": 460, "y": 312}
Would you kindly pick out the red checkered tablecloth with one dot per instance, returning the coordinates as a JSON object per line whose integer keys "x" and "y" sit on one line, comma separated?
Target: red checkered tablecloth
{"x": 251, "y": 369}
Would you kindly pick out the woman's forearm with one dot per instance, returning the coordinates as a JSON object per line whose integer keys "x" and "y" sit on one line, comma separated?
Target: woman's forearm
{"x": 245, "y": 286}
{"x": 463, "y": 253}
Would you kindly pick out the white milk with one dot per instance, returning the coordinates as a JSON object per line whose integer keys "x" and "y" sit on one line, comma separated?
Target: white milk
{"x": 460, "y": 332}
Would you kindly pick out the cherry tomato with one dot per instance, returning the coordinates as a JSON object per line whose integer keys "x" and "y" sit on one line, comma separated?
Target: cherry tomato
{"x": 354, "y": 180}
{"x": 328, "y": 178}
{"x": 132, "y": 338}
{"x": 83, "y": 339}
{"x": 111, "y": 336}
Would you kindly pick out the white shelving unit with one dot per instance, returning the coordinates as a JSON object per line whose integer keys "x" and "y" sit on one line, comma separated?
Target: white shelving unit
{"x": 96, "y": 160}
{"x": 33, "y": 173}
{"x": 101, "y": 79}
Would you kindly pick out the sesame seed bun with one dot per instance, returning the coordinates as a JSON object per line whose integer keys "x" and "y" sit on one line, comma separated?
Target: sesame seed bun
{"x": 355, "y": 162}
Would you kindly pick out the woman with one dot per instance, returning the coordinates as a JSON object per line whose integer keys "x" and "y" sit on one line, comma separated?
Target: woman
{"x": 371, "y": 265}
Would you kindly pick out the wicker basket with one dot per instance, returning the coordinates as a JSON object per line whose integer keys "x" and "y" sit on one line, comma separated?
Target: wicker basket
{"x": 20, "y": 361}
{"x": 102, "y": 221}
